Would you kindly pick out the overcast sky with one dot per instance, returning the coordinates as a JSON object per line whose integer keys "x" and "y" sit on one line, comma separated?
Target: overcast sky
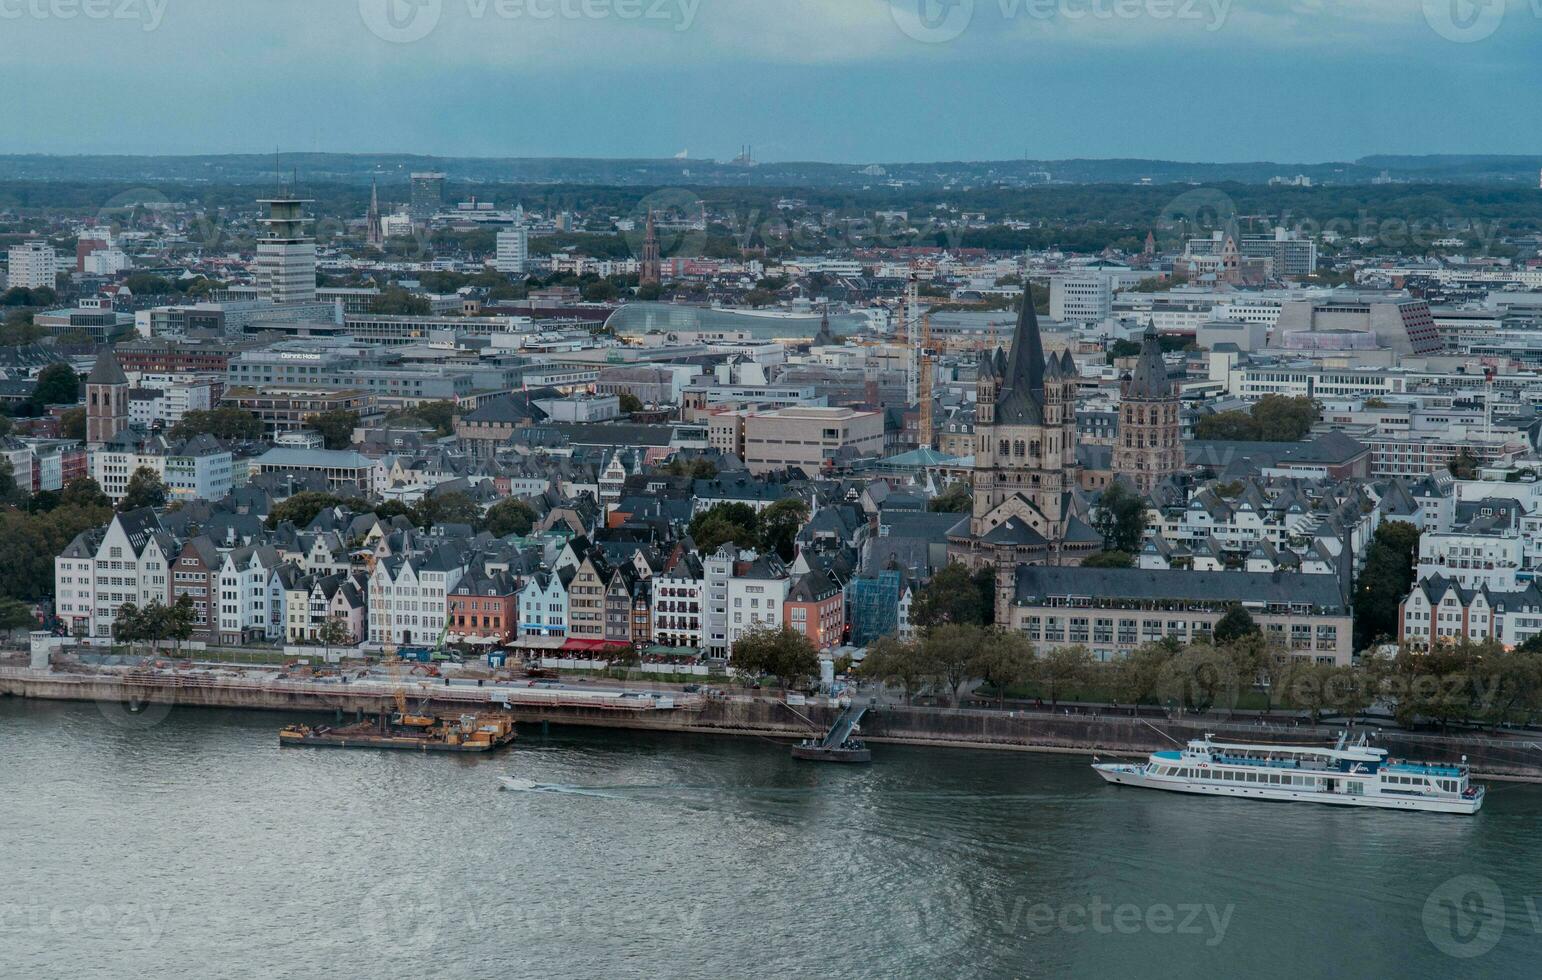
{"x": 837, "y": 80}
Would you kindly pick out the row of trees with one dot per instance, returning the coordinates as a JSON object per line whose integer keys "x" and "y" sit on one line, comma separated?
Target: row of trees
{"x": 155, "y": 623}
{"x": 1274, "y": 418}
{"x": 1468, "y": 683}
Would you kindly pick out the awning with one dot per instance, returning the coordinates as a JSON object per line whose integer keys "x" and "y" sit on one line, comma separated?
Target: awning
{"x": 593, "y": 646}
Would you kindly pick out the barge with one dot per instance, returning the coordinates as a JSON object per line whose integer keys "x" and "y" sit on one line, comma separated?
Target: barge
{"x": 464, "y": 733}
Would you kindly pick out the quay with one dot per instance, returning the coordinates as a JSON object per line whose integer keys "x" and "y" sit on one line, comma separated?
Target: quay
{"x": 1515, "y": 756}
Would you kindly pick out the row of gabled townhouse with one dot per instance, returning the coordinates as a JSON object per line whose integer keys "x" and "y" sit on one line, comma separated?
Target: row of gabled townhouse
{"x": 1440, "y": 610}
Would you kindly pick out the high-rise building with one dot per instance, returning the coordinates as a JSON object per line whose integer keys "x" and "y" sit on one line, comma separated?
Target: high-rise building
{"x": 1149, "y": 448}
{"x": 427, "y": 194}
{"x": 1026, "y": 472}
{"x": 652, "y": 269}
{"x": 513, "y": 249}
{"x": 286, "y": 254}
{"x": 33, "y": 265}
{"x": 107, "y": 399}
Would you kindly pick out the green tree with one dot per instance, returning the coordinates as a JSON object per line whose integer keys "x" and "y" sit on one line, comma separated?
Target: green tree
{"x": 1199, "y": 677}
{"x": 396, "y": 301}
{"x": 1004, "y": 660}
{"x": 1235, "y": 624}
{"x": 440, "y": 415}
{"x": 956, "y": 498}
{"x": 333, "y": 632}
{"x": 83, "y": 491}
{"x": 15, "y": 615}
{"x": 1137, "y": 678}
{"x": 145, "y": 489}
{"x": 713, "y": 528}
{"x": 780, "y": 524}
{"x": 302, "y": 508}
{"x": 601, "y": 291}
{"x": 901, "y": 663}
{"x": 448, "y": 508}
{"x": 57, "y": 384}
{"x": 950, "y": 649}
{"x": 221, "y": 423}
{"x": 336, "y": 427}
{"x": 72, "y": 424}
{"x": 1061, "y": 670}
{"x": 697, "y": 468}
{"x": 512, "y": 516}
{"x": 649, "y": 292}
{"x": 1384, "y": 581}
{"x": 1121, "y": 518}
{"x": 784, "y": 653}
{"x": 952, "y": 596}
{"x": 1109, "y": 559}
{"x": 630, "y": 403}
{"x": 1282, "y": 419}
{"x": 1464, "y": 465}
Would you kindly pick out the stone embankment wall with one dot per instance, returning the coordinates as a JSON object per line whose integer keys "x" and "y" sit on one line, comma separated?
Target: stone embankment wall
{"x": 1514, "y": 755}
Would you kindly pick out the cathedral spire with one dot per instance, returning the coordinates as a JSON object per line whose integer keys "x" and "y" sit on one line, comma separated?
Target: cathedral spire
{"x": 1022, "y": 401}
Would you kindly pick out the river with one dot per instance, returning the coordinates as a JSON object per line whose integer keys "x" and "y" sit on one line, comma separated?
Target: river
{"x": 186, "y": 843}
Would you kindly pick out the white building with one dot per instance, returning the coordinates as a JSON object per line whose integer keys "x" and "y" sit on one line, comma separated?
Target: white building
{"x": 680, "y": 605}
{"x": 245, "y": 606}
{"x": 33, "y": 265}
{"x": 105, "y": 262}
{"x": 103, "y": 569}
{"x": 756, "y": 592}
{"x": 718, "y": 568}
{"x": 543, "y": 604}
{"x": 1473, "y": 559}
{"x": 407, "y": 604}
{"x": 513, "y": 250}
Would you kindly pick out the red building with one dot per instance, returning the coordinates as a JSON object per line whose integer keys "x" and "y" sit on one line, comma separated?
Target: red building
{"x": 816, "y": 607}
{"x": 484, "y": 606}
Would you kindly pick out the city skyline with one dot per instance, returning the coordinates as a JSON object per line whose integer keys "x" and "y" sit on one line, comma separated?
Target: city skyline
{"x": 866, "y": 81}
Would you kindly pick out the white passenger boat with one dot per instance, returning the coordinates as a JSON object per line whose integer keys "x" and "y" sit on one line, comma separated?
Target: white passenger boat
{"x": 1348, "y": 775}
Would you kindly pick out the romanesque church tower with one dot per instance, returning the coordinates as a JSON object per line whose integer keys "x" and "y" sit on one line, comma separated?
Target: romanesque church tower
{"x": 107, "y": 391}
{"x": 1149, "y": 448}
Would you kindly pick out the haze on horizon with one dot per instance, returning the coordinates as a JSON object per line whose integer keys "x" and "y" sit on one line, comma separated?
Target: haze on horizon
{"x": 851, "y": 81}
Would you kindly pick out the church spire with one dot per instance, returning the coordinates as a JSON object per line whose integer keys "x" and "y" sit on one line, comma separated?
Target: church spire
{"x": 1022, "y": 383}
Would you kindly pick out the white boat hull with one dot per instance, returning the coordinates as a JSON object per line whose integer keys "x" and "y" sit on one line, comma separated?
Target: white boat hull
{"x": 1129, "y": 775}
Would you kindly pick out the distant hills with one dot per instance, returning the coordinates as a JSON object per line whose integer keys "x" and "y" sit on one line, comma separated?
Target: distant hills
{"x": 358, "y": 168}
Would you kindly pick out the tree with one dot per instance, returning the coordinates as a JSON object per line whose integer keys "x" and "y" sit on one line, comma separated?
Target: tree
{"x": 1138, "y": 677}
{"x": 697, "y": 468}
{"x": 72, "y": 424}
{"x": 302, "y": 508}
{"x": 649, "y": 292}
{"x": 784, "y": 653}
{"x": 221, "y": 423}
{"x": 780, "y": 524}
{"x": 1200, "y": 676}
{"x": 954, "y": 595}
{"x": 1121, "y": 518}
{"x": 1234, "y": 625}
{"x": 440, "y": 415}
{"x": 891, "y": 660}
{"x": 1464, "y": 466}
{"x": 1109, "y": 559}
{"x": 630, "y": 403}
{"x": 15, "y": 615}
{"x": 950, "y": 650}
{"x": 336, "y": 427}
{"x": 713, "y": 528}
{"x": 57, "y": 384}
{"x": 1005, "y": 660}
{"x": 145, "y": 489}
{"x": 396, "y": 301}
{"x": 512, "y": 516}
{"x": 1384, "y": 581}
{"x": 956, "y": 498}
{"x": 1274, "y": 418}
{"x": 600, "y": 291}
{"x": 83, "y": 491}
{"x": 448, "y": 508}
{"x": 128, "y": 626}
{"x": 333, "y": 632}
{"x": 181, "y": 619}
{"x": 1063, "y": 669}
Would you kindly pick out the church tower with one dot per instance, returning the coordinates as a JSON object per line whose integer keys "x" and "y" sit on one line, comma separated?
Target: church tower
{"x": 1026, "y": 510}
{"x": 375, "y": 231}
{"x": 1149, "y": 448}
{"x": 107, "y": 390}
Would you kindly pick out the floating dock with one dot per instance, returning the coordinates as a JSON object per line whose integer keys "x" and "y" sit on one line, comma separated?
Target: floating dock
{"x": 838, "y": 745}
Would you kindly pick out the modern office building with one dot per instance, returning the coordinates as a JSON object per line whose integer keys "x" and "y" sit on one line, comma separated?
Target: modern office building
{"x": 286, "y": 254}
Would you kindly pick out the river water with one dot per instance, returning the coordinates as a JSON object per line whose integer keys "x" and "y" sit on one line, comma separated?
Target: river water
{"x": 186, "y": 843}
